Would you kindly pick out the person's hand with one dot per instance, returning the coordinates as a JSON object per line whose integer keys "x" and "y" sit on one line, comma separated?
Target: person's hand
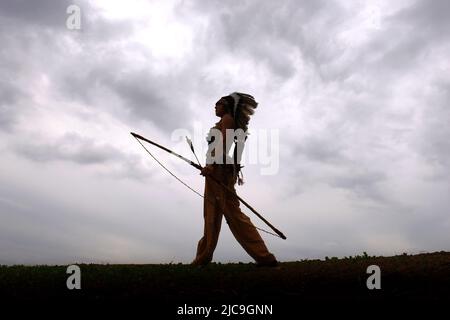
{"x": 206, "y": 170}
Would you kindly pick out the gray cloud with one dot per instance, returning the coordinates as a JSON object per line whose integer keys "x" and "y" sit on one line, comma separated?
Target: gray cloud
{"x": 363, "y": 183}
{"x": 406, "y": 39}
{"x": 143, "y": 96}
{"x": 149, "y": 98}
{"x": 98, "y": 68}
{"x": 324, "y": 147}
{"x": 39, "y": 12}
{"x": 425, "y": 18}
{"x": 72, "y": 147}
{"x": 271, "y": 33}
{"x": 431, "y": 139}
{"x": 362, "y": 111}
{"x": 9, "y": 98}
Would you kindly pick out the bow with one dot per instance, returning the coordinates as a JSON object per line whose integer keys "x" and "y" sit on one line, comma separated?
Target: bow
{"x": 199, "y": 167}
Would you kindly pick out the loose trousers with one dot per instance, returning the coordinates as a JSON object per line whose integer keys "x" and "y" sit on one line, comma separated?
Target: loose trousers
{"x": 219, "y": 202}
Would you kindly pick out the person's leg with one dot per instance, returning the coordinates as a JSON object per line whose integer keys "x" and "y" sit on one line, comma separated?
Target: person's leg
{"x": 213, "y": 220}
{"x": 244, "y": 231}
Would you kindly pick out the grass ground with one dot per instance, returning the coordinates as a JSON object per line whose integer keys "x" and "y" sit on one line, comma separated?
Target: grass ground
{"x": 411, "y": 278}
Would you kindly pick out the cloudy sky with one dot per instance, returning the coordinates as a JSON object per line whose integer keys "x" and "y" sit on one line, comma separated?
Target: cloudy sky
{"x": 358, "y": 91}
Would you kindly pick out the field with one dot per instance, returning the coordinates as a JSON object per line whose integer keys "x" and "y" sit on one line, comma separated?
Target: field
{"x": 331, "y": 281}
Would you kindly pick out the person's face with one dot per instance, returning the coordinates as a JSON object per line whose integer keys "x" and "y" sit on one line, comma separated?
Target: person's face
{"x": 220, "y": 108}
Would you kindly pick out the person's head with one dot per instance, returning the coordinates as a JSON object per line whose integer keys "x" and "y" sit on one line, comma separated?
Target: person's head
{"x": 224, "y": 106}
{"x": 239, "y": 105}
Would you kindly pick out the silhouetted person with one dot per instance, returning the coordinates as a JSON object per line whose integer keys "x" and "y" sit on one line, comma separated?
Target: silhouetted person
{"x": 235, "y": 111}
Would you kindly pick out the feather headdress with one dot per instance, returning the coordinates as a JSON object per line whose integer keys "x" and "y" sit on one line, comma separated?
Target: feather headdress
{"x": 244, "y": 106}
